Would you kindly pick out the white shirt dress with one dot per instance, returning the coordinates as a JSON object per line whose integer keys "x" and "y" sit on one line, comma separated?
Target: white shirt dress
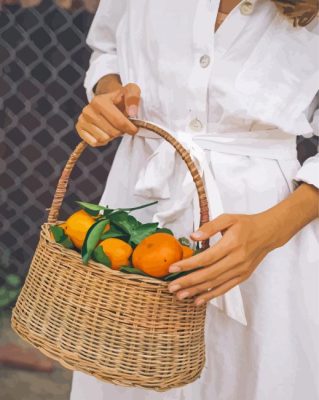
{"x": 242, "y": 94}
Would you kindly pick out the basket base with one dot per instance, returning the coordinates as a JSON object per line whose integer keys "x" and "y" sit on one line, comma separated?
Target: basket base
{"x": 140, "y": 382}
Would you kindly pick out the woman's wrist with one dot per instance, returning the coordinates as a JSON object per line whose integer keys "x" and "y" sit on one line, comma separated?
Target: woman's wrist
{"x": 108, "y": 83}
{"x": 293, "y": 213}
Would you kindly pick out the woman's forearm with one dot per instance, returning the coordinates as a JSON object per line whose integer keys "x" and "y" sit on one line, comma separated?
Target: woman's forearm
{"x": 293, "y": 213}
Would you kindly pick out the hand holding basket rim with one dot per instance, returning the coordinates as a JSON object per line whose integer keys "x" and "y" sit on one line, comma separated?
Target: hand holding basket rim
{"x": 246, "y": 241}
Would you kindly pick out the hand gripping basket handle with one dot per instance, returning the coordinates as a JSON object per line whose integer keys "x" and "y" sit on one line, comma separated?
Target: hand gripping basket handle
{"x": 64, "y": 179}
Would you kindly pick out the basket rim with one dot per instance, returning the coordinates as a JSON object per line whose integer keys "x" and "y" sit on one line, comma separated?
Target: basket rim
{"x": 44, "y": 234}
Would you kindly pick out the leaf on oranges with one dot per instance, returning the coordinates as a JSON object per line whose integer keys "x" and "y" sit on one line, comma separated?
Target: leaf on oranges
{"x": 175, "y": 275}
{"x": 184, "y": 241}
{"x": 100, "y": 257}
{"x": 124, "y": 221}
{"x": 131, "y": 270}
{"x": 142, "y": 231}
{"x": 93, "y": 236}
{"x": 92, "y": 209}
{"x": 165, "y": 230}
{"x": 114, "y": 232}
{"x": 60, "y": 236}
{"x": 139, "y": 207}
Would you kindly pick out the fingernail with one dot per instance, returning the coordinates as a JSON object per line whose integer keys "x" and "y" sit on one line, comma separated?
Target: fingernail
{"x": 174, "y": 288}
{"x": 197, "y": 234}
{"x": 199, "y": 302}
{"x": 183, "y": 295}
{"x": 174, "y": 268}
{"x": 132, "y": 111}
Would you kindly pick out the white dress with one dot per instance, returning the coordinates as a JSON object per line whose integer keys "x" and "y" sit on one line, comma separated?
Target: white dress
{"x": 250, "y": 88}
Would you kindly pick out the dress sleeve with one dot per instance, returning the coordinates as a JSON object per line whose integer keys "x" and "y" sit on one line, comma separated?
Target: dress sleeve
{"x": 309, "y": 172}
{"x": 102, "y": 41}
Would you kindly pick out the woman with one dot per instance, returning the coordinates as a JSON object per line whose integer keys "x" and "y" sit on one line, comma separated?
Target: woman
{"x": 249, "y": 86}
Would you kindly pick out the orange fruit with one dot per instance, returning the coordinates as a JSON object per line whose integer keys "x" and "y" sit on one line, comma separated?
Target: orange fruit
{"x": 77, "y": 225}
{"x": 187, "y": 251}
{"x": 63, "y": 225}
{"x": 117, "y": 250}
{"x": 154, "y": 254}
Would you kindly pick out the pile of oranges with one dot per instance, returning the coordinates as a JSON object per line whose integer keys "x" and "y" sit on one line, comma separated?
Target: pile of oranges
{"x": 118, "y": 240}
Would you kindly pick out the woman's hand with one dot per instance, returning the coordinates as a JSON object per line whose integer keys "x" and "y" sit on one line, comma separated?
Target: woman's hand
{"x": 245, "y": 242}
{"x": 105, "y": 117}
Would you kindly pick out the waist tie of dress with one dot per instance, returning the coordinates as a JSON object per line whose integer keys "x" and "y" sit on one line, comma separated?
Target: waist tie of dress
{"x": 158, "y": 180}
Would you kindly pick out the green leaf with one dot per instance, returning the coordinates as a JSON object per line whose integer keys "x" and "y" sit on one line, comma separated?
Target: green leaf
{"x": 184, "y": 241}
{"x": 139, "y": 207}
{"x": 131, "y": 270}
{"x": 92, "y": 238}
{"x": 108, "y": 212}
{"x": 175, "y": 275}
{"x": 13, "y": 280}
{"x": 99, "y": 256}
{"x": 165, "y": 230}
{"x": 124, "y": 221}
{"x": 67, "y": 243}
{"x": 142, "y": 231}
{"x": 58, "y": 233}
{"x": 60, "y": 236}
{"x": 90, "y": 208}
{"x": 114, "y": 232}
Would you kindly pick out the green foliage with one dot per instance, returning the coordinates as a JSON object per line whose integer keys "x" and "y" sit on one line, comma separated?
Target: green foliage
{"x": 165, "y": 230}
{"x": 100, "y": 257}
{"x": 131, "y": 270}
{"x": 141, "y": 232}
{"x": 93, "y": 236}
{"x": 184, "y": 241}
{"x": 10, "y": 283}
{"x": 60, "y": 237}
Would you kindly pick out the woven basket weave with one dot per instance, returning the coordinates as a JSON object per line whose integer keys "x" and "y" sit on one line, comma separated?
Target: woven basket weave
{"x": 121, "y": 328}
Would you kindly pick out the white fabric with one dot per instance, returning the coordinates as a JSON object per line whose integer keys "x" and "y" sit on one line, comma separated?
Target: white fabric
{"x": 241, "y": 113}
{"x": 153, "y": 183}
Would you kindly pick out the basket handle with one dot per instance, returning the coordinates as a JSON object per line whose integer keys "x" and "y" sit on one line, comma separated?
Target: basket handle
{"x": 64, "y": 179}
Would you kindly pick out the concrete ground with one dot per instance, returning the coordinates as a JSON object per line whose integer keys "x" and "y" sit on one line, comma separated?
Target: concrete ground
{"x": 18, "y": 384}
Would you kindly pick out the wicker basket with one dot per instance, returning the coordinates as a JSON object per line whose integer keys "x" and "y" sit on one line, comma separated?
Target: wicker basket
{"x": 121, "y": 328}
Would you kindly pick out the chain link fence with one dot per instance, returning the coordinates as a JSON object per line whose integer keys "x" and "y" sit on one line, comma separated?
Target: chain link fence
{"x": 43, "y": 59}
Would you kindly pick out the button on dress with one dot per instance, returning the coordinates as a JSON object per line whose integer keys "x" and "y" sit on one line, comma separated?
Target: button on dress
{"x": 242, "y": 94}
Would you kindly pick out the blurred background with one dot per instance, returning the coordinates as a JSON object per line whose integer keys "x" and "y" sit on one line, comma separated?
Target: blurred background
{"x": 43, "y": 59}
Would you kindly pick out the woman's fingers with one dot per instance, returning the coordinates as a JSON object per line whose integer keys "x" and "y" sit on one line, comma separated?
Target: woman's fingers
{"x": 203, "y": 259}
{"x": 132, "y": 94}
{"x": 220, "y": 290}
{"x": 91, "y": 116}
{"x": 106, "y": 116}
{"x": 203, "y": 275}
{"x": 105, "y": 104}
{"x": 208, "y": 285}
{"x": 102, "y": 138}
{"x": 87, "y": 137}
{"x": 210, "y": 228}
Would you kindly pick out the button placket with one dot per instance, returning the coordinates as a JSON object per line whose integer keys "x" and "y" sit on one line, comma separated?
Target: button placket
{"x": 203, "y": 45}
